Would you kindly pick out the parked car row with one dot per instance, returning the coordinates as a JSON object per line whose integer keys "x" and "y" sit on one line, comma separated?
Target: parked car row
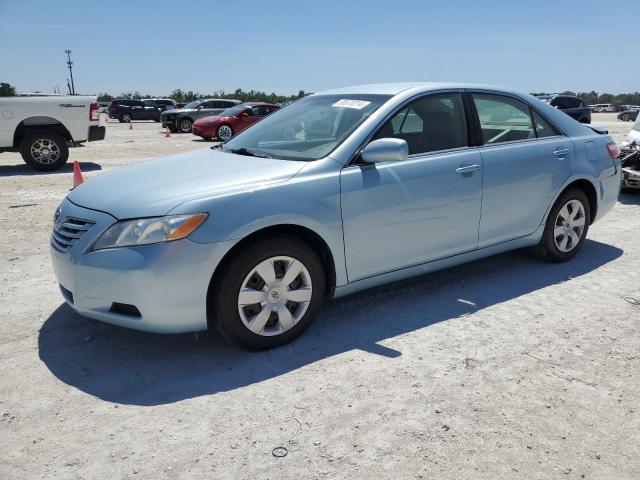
{"x": 232, "y": 120}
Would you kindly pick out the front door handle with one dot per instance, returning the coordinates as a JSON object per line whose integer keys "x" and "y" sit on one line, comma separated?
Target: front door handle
{"x": 467, "y": 169}
{"x": 561, "y": 152}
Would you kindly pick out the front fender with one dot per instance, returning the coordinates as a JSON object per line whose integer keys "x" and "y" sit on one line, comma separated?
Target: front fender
{"x": 310, "y": 200}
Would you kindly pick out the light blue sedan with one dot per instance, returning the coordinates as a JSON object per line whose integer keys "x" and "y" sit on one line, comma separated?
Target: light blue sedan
{"x": 338, "y": 192}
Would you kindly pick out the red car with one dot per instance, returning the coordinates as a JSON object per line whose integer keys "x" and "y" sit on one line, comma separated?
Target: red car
{"x": 233, "y": 120}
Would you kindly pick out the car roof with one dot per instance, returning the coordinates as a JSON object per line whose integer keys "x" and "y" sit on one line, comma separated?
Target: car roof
{"x": 396, "y": 88}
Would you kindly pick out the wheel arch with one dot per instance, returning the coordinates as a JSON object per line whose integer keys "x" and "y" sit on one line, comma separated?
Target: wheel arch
{"x": 589, "y": 190}
{"x": 310, "y": 237}
{"x": 32, "y": 124}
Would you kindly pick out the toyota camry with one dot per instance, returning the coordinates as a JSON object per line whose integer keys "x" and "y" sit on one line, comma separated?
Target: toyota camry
{"x": 339, "y": 191}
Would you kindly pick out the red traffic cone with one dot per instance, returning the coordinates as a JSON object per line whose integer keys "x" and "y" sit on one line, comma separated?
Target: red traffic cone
{"x": 130, "y": 125}
{"x": 167, "y": 133}
{"x": 77, "y": 174}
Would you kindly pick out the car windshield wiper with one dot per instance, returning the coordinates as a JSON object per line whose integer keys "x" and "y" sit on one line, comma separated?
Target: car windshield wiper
{"x": 249, "y": 153}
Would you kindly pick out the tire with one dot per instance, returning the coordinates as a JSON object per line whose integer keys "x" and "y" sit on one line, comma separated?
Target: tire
{"x": 240, "y": 271}
{"x": 184, "y": 125}
{"x": 550, "y": 246}
{"x": 44, "y": 150}
{"x": 125, "y": 117}
{"x": 224, "y": 132}
{"x": 625, "y": 117}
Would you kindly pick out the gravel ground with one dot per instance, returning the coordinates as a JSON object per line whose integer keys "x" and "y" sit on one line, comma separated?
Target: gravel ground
{"x": 503, "y": 368}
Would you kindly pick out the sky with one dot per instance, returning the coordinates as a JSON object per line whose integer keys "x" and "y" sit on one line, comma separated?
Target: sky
{"x": 284, "y": 46}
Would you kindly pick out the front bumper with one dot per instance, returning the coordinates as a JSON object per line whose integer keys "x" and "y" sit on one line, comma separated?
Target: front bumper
{"x": 166, "y": 282}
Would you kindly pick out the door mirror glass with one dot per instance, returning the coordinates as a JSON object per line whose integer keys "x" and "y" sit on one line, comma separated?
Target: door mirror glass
{"x": 385, "y": 150}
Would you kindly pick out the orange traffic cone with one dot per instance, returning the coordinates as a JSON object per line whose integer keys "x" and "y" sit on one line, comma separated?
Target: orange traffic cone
{"x": 77, "y": 174}
{"x": 167, "y": 133}
{"x": 130, "y": 125}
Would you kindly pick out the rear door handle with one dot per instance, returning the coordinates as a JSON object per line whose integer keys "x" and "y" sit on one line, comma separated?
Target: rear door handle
{"x": 467, "y": 169}
{"x": 561, "y": 152}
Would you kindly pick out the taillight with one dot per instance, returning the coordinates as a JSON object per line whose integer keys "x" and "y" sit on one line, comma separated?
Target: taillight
{"x": 93, "y": 112}
{"x": 613, "y": 149}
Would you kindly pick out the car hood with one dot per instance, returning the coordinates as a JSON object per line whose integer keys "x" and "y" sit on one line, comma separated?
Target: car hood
{"x": 156, "y": 187}
{"x": 210, "y": 118}
{"x": 178, "y": 110}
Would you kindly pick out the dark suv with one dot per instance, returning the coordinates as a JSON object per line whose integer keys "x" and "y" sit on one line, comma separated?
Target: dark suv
{"x": 181, "y": 120}
{"x": 126, "y": 110}
{"x": 575, "y": 107}
{"x": 164, "y": 103}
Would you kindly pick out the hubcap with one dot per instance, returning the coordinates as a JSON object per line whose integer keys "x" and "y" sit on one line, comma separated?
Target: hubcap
{"x": 274, "y": 296}
{"x": 45, "y": 151}
{"x": 569, "y": 226}
{"x": 224, "y": 132}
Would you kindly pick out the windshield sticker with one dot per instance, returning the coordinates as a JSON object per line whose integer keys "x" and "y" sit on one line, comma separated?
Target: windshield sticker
{"x": 357, "y": 104}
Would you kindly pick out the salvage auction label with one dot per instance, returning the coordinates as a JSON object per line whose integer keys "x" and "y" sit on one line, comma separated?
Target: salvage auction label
{"x": 357, "y": 104}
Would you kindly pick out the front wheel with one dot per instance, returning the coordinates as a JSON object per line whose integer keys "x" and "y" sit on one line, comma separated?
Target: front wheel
{"x": 44, "y": 150}
{"x": 184, "y": 125}
{"x": 125, "y": 118}
{"x": 625, "y": 117}
{"x": 268, "y": 295}
{"x": 566, "y": 227}
{"x": 224, "y": 133}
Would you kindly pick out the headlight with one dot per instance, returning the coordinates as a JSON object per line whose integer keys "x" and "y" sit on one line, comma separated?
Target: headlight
{"x": 144, "y": 231}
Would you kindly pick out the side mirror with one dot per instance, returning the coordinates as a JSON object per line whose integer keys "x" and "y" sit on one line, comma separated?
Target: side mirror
{"x": 199, "y": 107}
{"x": 385, "y": 150}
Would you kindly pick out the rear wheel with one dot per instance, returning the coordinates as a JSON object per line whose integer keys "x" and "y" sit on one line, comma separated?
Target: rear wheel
{"x": 625, "y": 117}
{"x": 125, "y": 118}
{"x": 566, "y": 228}
{"x": 268, "y": 296}
{"x": 44, "y": 150}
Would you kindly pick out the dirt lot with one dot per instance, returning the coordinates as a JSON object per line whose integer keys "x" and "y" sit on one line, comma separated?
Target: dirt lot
{"x": 503, "y": 368}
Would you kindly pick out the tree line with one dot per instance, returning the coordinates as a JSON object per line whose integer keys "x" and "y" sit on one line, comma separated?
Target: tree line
{"x": 593, "y": 97}
{"x": 182, "y": 96}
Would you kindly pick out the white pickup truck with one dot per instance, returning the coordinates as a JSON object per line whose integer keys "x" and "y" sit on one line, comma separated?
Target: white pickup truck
{"x": 42, "y": 128}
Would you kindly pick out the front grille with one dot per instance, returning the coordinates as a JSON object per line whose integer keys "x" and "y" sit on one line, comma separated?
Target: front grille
{"x": 68, "y": 232}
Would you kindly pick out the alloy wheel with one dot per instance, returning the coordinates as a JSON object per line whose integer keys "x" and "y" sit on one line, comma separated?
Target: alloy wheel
{"x": 185, "y": 126}
{"x": 45, "y": 151}
{"x": 569, "y": 225}
{"x": 274, "y": 296}
{"x": 224, "y": 133}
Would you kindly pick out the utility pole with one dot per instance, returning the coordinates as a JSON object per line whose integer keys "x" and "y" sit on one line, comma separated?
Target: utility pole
{"x": 72, "y": 90}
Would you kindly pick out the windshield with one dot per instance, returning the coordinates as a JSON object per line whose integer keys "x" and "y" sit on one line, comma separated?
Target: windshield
{"x": 230, "y": 112}
{"x": 193, "y": 104}
{"x": 309, "y": 128}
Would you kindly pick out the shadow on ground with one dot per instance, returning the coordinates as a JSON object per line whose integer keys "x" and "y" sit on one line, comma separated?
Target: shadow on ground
{"x": 24, "y": 169}
{"x": 129, "y": 367}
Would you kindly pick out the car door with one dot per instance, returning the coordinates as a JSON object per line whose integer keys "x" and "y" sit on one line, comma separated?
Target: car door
{"x": 137, "y": 110}
{"x": 401, "y": 214}
{"x": 526, "y": 160}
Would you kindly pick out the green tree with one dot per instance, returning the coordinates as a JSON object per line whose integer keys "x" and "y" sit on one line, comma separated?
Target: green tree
{"x": 7, "y": 90}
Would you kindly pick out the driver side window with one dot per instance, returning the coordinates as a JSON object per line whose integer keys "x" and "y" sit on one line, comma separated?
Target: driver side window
{"x": 432, "y": 123}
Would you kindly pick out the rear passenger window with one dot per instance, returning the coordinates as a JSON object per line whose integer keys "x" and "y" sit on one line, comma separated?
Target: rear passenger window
{"x": 432, "y": 123}
{"x": 503, "y": 119}
{"x": 543, "y": 128}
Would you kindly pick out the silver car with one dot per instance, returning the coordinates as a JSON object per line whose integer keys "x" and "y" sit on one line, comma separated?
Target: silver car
{"x": 338, "y": 192}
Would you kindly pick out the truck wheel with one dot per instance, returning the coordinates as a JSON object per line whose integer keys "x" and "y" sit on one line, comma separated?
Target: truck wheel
{"x": 44, "y": 150}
